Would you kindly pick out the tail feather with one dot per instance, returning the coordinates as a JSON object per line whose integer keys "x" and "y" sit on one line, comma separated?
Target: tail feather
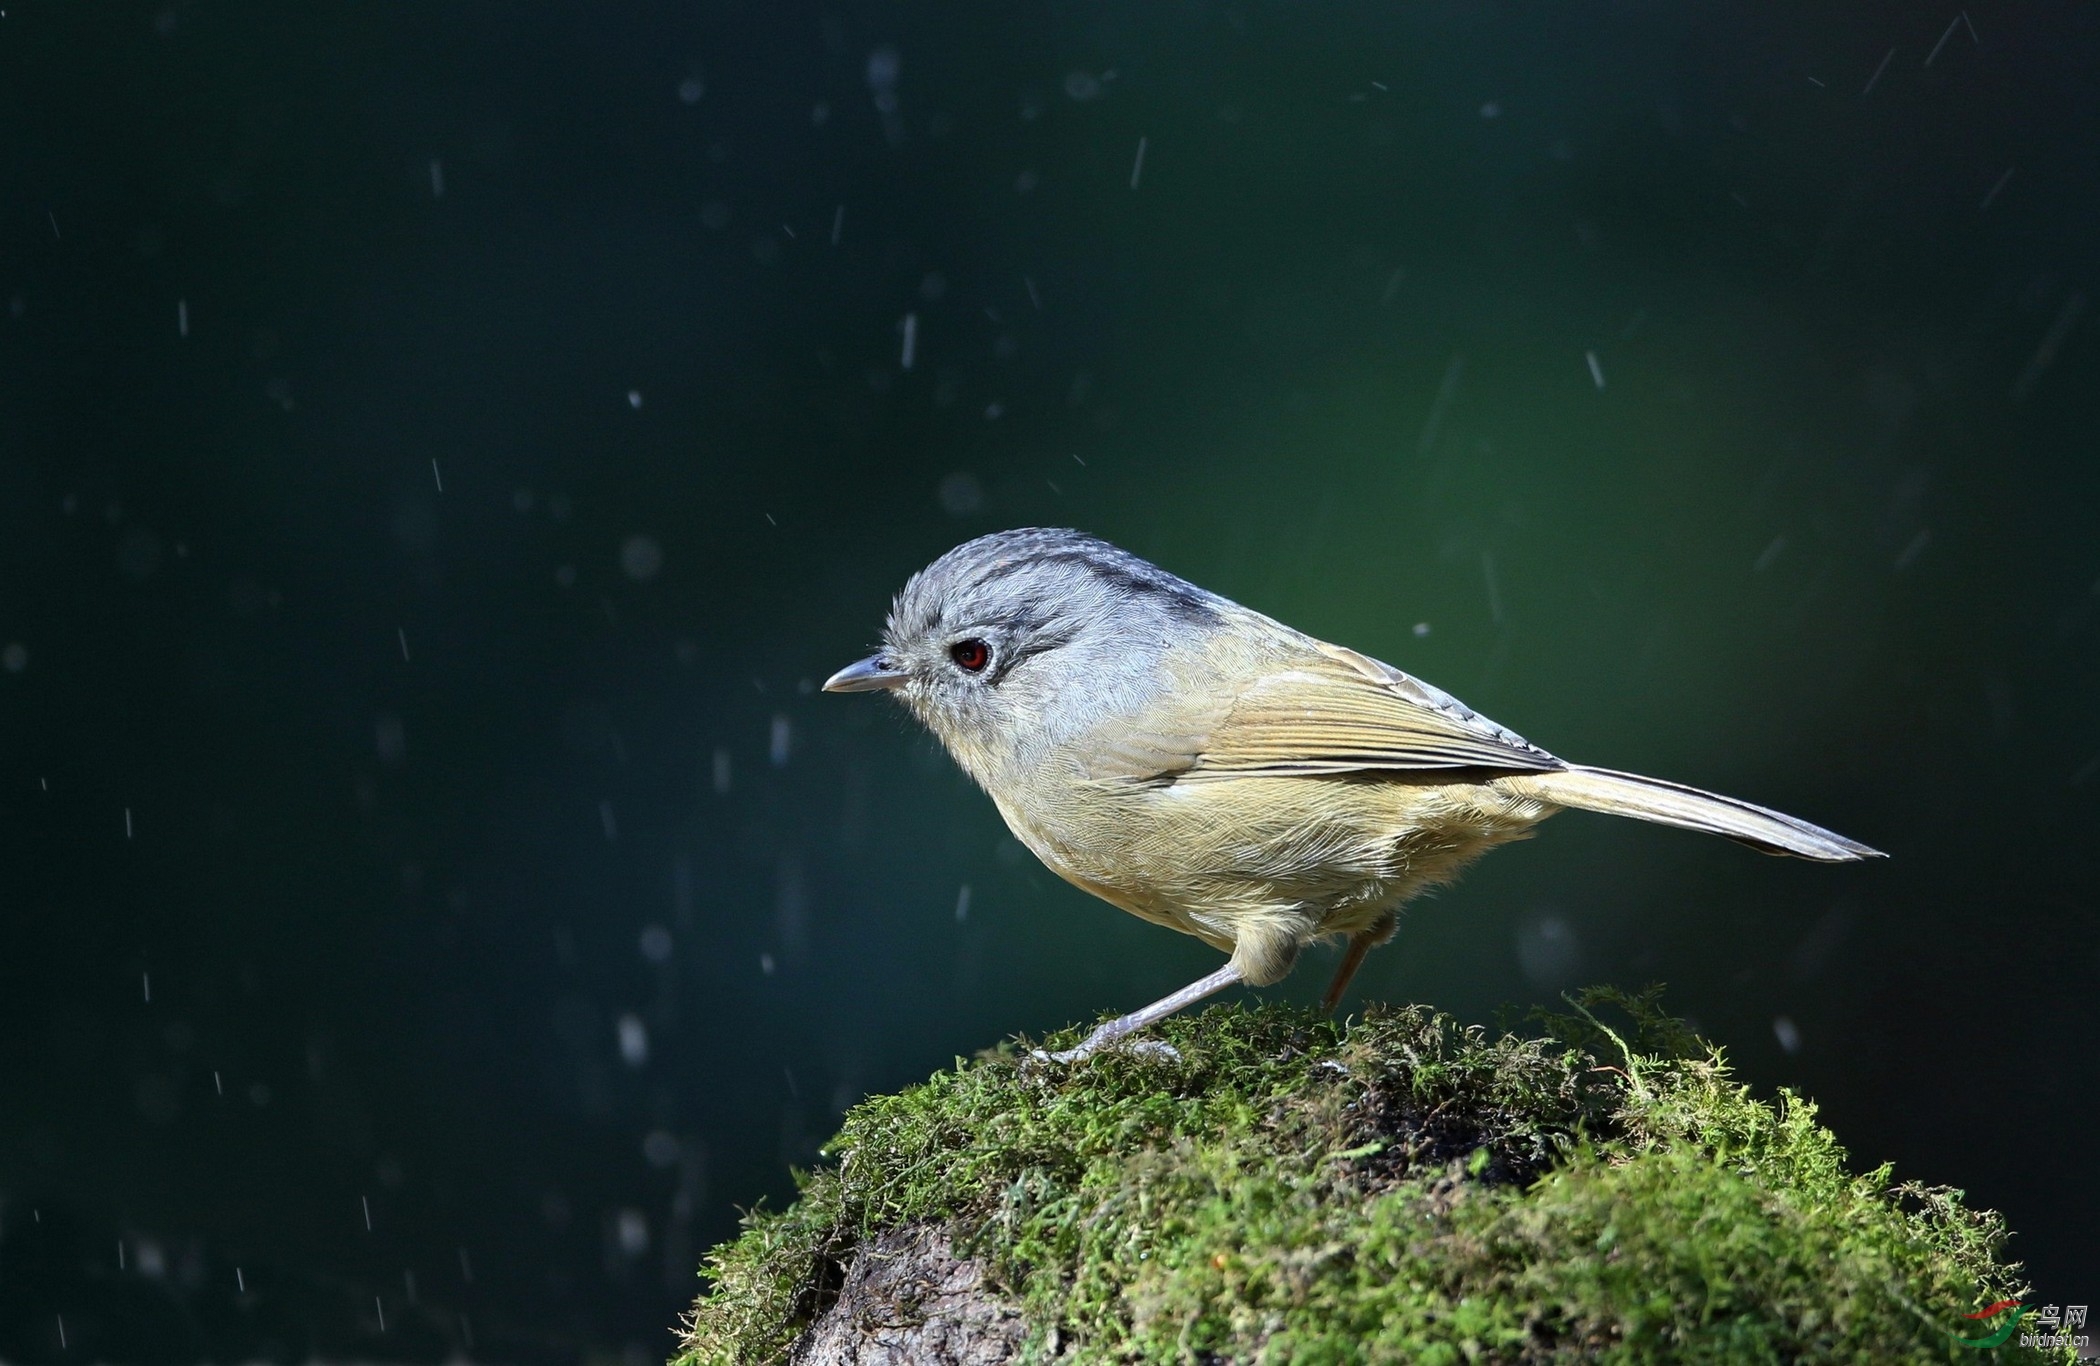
{"x": 1652, "y": 799}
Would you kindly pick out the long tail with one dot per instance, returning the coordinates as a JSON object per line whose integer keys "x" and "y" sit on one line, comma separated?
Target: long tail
{"x": 1652, "y": 799}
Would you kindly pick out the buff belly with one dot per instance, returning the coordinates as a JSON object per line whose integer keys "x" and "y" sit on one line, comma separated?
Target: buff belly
{"x": 1258, "y": 866}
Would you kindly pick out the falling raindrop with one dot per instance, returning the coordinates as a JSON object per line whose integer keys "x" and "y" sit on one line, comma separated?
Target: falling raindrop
{"x": 791, "y": 905}
{"x": 138, "y": 554}
{"x": 885, "y": 64}
{"x": 634, "y": 1040}
{"x": 390, "y": 738}
{"x": 641, "y": 557}
{"x": 631, "y": 1230}
{"x": 1788, "y": 1033}
{"x": 961, "y": 494}
{"x": 1549, "y": 952}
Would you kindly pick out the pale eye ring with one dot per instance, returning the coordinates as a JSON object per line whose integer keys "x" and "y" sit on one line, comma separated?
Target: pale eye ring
{"x": 970, "y": 655}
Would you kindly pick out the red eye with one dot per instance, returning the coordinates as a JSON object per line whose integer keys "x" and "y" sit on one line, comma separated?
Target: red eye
{"x": 971, "y": 655}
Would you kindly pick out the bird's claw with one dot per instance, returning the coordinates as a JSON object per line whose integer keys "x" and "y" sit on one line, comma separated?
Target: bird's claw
{"x": 1143, "y": 1048}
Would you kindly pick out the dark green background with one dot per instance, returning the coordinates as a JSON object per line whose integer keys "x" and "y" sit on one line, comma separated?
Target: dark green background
{"x": 1825, "y": 538}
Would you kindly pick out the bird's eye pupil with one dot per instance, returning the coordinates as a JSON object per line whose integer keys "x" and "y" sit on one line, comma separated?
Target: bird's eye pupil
{"x": 971, "y": 654}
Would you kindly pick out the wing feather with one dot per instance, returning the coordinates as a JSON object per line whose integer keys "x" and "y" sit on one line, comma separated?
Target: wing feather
{"x": 1328, "y": 710}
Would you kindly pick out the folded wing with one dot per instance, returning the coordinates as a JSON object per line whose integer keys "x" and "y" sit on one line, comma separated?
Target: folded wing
{"x": 1329, "y": 710}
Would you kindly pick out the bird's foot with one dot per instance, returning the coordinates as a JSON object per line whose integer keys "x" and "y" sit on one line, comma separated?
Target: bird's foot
{"x": 1141, "y": 1048}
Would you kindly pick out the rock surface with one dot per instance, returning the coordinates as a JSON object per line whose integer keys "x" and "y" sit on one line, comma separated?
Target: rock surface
{"x": 909, "y": 1300}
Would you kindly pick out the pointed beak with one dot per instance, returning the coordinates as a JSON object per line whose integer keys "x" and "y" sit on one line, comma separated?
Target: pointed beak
{"x": 870, "y": 674}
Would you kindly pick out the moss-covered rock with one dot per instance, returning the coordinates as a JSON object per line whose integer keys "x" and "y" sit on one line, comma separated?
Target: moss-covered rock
{"x": 1400, "y": 1189}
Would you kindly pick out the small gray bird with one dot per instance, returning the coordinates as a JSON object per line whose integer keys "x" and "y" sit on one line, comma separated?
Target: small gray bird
{"x": 1212, "y": 770}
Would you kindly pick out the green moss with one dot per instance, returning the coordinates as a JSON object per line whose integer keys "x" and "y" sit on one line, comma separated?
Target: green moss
{"x": 1403, "y": 1190}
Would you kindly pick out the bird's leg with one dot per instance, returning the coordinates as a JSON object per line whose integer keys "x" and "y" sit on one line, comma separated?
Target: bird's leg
{"x": 1159, "y": 1010}
{"x": 1360, "y": 943}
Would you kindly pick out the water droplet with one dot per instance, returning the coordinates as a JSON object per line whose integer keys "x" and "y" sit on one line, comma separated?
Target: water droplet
{"x": 961, "y": 494}
{"x": 641, "y": 557}
{"x": 634, "y": 1040}
{"x": 1788, "y": 1033}
{"x": 138, "y": 554}
{"x": 1549, "y": 952}
{"x": 885, "y": 64}
{"x": 390, "y": 738}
